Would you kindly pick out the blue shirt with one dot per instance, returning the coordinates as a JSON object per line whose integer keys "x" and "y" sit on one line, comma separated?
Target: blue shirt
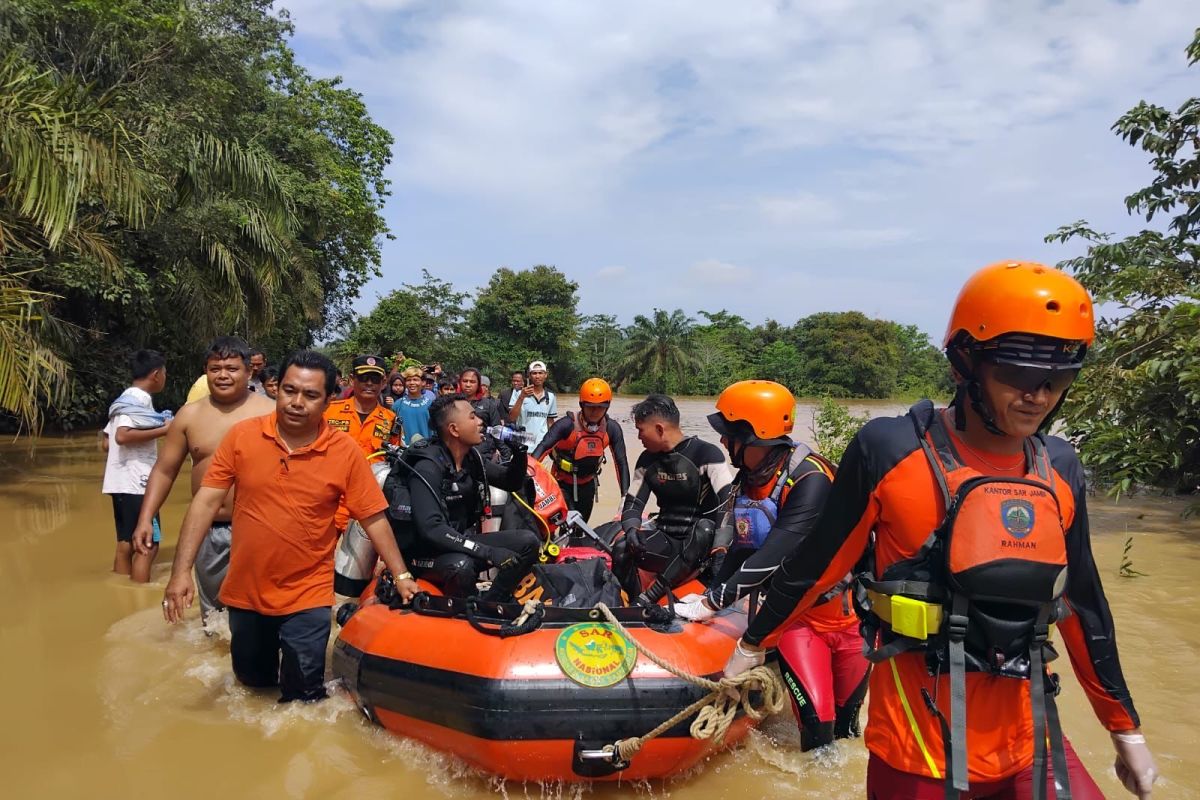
{"x": 414, "y": 416}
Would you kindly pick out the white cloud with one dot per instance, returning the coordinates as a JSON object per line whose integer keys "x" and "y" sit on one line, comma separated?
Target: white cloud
{"x": 518, "y": 98}
{"x": 923, "y": 138}
{"x": 612, "y": 273}
{"x": 718, "y": 273}
{"x": 800, "y": 209}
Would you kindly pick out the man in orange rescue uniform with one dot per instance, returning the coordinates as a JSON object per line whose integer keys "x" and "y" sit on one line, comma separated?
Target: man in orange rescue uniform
{"x": 958, "y": 606}
{"x": 362, "y": 416}
{"x": 290, "y": 470}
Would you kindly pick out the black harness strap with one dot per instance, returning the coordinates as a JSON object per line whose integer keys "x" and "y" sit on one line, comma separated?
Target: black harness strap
{"x": 956, "y": 745}
{"x": 1045, "y": 716}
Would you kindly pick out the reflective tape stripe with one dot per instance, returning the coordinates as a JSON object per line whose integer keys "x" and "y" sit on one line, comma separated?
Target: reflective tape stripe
{"x": 912, "y": 722}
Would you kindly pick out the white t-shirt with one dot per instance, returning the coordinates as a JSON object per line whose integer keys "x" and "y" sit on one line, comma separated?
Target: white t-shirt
{"x": 535, "y": 414}
{"x": 128, "y": 466}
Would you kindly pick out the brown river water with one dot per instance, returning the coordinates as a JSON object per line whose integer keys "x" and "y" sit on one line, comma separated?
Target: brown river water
{"x": 105, "y": 700}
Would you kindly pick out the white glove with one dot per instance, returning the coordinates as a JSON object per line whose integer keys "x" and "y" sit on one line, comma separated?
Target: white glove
{"x": 694, "y": 608}
{"x": 743, "y": 659}
{"x": 1135, "y": 765}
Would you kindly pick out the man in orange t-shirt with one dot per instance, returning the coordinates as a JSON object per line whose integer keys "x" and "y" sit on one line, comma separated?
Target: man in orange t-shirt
{"x": 974, "y": 522}
{"x": 290, "y": 470}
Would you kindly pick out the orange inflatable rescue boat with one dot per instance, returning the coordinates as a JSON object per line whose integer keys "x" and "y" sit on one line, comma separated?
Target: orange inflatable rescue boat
{"x": 530, "y": 690}
{"x": 539, "y": 698}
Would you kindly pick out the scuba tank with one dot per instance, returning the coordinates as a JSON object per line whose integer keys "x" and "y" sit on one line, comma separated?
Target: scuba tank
{"x": 355, "y": 557}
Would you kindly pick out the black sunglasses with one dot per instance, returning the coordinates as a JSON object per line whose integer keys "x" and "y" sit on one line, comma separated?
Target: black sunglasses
{"x": 1031, "y": 379}
{"x": 370, "y": 377}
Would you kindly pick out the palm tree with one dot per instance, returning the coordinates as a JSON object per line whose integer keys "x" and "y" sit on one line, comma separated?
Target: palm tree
{"x": 658, "y": 348}
{"x": 66, "y": 175}
{"x": 74, "y": 179}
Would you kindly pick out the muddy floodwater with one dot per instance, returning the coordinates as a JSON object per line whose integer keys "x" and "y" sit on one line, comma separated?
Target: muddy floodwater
{"x": 105, "y": 700}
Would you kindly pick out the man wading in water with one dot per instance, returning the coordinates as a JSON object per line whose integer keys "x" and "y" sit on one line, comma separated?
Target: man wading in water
{"x": 196, "y": 431}
{"x": 291, "y": 471}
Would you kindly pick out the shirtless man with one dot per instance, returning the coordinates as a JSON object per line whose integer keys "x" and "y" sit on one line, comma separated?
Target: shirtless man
{"x": 197, "y": 430}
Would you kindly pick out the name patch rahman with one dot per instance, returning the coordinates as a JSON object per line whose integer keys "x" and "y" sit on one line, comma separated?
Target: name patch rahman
{"x": 594, "y": 654}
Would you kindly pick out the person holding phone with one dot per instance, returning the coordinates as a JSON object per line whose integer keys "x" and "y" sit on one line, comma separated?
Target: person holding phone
{"x": 535, "y": 406}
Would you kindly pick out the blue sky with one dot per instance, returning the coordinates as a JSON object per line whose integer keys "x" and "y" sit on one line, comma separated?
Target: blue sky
{"x": 771, "y": 158}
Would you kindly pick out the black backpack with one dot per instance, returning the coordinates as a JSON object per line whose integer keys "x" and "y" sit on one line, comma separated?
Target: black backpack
{"x": 578, "y": 584}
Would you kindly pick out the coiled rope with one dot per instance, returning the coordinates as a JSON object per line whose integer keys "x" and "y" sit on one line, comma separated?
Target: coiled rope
{"x": 715, "y": 711}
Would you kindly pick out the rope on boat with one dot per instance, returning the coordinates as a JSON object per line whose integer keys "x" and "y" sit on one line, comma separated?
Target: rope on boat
{"x": 715, "y": 711}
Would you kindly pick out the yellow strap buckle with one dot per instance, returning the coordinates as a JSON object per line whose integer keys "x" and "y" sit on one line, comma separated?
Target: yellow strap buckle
{"x": 915, "y": 619}
{"x": 565, "y": 466}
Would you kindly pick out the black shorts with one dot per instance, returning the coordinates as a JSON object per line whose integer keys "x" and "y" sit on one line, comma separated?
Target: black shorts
{"x": 126, "y": 508}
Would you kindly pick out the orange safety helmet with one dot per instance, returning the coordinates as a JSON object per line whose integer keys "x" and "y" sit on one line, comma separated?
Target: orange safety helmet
{"x": 1022, "y": 297}
{"x": 595, "y": 390}
{"x": 765, "y": 409}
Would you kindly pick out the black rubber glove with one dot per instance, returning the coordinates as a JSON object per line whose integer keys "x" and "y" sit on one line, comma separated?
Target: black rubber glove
{"x": 497, "y": 556}
{"x": 633, "y": 542}
{"x": 716, "y": 560}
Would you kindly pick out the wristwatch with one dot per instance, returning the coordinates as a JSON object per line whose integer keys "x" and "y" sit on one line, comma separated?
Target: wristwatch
{"x": 404, "y": 576}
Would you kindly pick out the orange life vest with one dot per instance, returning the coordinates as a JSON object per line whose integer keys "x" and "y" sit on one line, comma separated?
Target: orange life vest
{"x": 578, "y": 457}
{"x": 982, "y": 591}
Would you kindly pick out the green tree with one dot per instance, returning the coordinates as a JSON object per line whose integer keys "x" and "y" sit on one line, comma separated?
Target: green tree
{"x": 523, "y": 315}
{"x": 780, "y": 362}
{"x": 65, "y": 174}
{"x": 833, "y": 428}
{"x": 659, "y": 349}
{"x": 1135, "y": 410}
{"x": 421, "y": 320}
{"x": 847, "y": 354}
{"x": 266, "y": 184}
{"x": 601, "y": 346}
{"x": 924, "y": 371}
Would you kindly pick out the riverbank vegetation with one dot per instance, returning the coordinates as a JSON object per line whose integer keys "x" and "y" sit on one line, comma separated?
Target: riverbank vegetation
{"x": 1135, "y": 411}
{"x": 168, "y": 172}
{"x": 526, "y": 314}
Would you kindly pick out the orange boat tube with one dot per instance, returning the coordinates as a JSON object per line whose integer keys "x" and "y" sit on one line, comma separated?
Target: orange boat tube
{"x": 535, "y": 698}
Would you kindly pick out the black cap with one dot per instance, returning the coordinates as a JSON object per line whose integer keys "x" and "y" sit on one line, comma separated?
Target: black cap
{"x": 365, "y": 365}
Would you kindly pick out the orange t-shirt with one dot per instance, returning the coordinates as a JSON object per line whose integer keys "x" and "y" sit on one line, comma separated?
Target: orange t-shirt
{"x": 282, "y": 552}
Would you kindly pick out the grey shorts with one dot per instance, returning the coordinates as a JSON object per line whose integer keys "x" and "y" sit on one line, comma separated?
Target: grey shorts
{"x": 212, "y": 562}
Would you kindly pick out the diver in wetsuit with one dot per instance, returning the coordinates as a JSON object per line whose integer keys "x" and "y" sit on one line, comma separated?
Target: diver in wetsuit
{"x": 690, "y": 481}
{"x": 450, "y": 490}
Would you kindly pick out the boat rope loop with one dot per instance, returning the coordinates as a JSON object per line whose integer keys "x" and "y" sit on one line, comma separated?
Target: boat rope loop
{"x": 715, "y": 711}
{"x": 530, "y": 618}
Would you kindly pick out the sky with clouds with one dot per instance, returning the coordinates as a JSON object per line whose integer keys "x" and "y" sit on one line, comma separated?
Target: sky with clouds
{"x": 771, "y": 158}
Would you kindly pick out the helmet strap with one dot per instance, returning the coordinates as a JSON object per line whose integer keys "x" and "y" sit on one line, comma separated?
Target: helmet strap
{"x": 737, "y": 448}
{"x": 970, "y": 389}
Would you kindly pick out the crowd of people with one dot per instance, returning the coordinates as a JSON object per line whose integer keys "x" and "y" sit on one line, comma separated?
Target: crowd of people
{"x": 932, "y": 564}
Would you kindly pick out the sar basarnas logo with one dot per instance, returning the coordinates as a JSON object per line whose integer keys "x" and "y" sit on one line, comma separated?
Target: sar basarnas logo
{"x": 594, "y": 654}
{"x": 1017, "y": 517}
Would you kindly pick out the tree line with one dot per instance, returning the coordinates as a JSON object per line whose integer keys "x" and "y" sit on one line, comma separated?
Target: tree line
{"x": 168, "y": 172}
{"x": 521, "y": 315}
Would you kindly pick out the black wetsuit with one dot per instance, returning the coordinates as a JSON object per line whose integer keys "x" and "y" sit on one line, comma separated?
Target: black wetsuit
{"x": 691, "y": 486}
{"x": 447, "y": 505}
{"x": 579, "y": 485}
